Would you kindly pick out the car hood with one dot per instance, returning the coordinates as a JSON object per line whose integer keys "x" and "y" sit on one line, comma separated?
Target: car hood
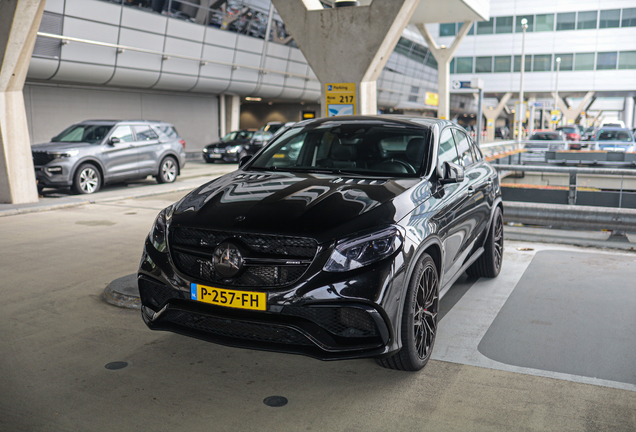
{"x": 60, "y": 146}
{"x": 321, "y": 206}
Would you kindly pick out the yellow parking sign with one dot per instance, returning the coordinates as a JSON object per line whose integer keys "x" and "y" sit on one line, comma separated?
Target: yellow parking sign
{"x": 341, "y": 99}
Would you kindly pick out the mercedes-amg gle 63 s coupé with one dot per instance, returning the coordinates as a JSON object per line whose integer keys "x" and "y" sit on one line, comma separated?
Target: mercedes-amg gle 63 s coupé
{"x": 335, "y": 241}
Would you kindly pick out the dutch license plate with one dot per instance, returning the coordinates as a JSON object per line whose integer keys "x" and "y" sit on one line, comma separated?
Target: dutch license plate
{"x": 228, "y": 298}
{"x": 215, "y": 156}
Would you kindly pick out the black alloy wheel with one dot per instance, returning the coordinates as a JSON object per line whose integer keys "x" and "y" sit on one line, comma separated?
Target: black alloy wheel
{"x": 168, "y": 170}
{"x": 419, "y": 319}
{"x": 489, "y": 263}
{"x": 87, "y": 179}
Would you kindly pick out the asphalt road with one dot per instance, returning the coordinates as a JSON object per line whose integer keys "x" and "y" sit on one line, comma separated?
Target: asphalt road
{"x": 57, "y": 337}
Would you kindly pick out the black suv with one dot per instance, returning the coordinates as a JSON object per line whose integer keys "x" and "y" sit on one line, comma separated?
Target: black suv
{"x": 335, "y": 241}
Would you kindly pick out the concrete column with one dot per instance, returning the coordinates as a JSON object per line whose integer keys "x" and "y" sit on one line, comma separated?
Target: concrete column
{"x": 444, "y": 55}
{"x": 492, "y": 115}
{"x": 222, "y": 117}
{"x": 628, "y": 112}
{"x": 233, "y": 112}
{"x": 572, "y": 113}
{"x": 19, "y": 23}
{"x": 531, "y": 101}
{"x": 347, "y": 44}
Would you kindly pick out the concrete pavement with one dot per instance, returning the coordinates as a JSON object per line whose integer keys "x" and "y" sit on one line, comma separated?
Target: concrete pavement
{"x": 57, "y": 335}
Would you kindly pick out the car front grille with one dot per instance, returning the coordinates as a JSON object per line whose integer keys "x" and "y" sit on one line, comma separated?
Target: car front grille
{"x": 41, "y": 158}
{"x": 236, "y": 329}
{"x": 192, "y": 249}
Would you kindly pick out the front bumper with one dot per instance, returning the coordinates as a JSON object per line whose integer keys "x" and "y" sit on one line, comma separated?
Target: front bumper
{"x": 221, "y": 157}
{"x": 53, "y": 179}
{"x": 320, "y": 321}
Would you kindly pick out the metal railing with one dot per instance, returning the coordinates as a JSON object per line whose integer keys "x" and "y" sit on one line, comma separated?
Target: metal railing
{"x": 567, "y": 216}
{"x": 573, "y": 172}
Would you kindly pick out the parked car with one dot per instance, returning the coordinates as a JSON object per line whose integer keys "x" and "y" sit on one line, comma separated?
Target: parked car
{"x": 544, "y": 140}
{"x": 336, "y": 241}
{"x": 271, "y": 127}
{"x": 92, "y": 153}
{"x": 571, "y": 132}
{"x": 231, "y": 148}
{"x": 615, "y": 139}
{"x": 589, "y": 134}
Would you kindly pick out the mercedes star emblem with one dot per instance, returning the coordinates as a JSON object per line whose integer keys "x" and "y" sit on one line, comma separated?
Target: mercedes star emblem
{"x": 227, "y": 259}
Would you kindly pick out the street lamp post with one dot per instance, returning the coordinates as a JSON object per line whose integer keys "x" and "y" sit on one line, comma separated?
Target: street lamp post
{"x": 556, "y": 90}
{"x": 521, "y": 113}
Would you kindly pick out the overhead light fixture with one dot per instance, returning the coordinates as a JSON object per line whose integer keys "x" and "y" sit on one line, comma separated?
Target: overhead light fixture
{"x": 346, "y": 3}
{"x": 253, "y": 99}
{"x": 270, "y": 103}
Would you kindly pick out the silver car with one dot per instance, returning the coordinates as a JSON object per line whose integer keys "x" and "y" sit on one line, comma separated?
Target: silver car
{"x": 92, "y": 153}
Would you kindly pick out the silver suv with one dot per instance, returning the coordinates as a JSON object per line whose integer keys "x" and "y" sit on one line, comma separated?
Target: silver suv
{"x": 95, "y": 152}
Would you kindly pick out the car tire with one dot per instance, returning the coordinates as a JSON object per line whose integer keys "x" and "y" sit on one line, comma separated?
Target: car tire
{"x": 489, "y": 263}
{"x": 87, "y": 179}
{"x": 168, "y": 170}
{"x": 419, "y": 319}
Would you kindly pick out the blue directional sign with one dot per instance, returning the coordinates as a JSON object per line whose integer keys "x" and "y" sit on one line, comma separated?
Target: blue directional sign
{"x": 461, "y": 85}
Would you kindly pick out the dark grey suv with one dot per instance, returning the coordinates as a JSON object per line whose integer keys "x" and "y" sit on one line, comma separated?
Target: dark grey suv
{"x": 89, "y": 154}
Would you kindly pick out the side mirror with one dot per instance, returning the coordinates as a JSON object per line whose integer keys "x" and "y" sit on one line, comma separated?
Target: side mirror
{"x": 114, "y": 140}
{"x": 244, "y": 160}
{"x": 452, "y": 173}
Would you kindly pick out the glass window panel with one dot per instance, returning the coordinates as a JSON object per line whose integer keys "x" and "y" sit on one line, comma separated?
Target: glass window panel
{"x": 629, "y": 18}
{"x": 566, "y": 21}
{"x": 483, "y": 64}
{"x": 503, "y": 24}
{"x": 430, "y": 61}
{"x": 627, "y": 60}
{"x": 485, "y": 27}
{"x": 567, "y": 62}
{"x": 584, "y": 61}
{"x": 610, "y": 18}
{"x": 528, "y": 64}
{"x": 464, "y": 65}
{"x": 449, "y": 29}
{"x": 606, "y": 60}
{"x": 472, "y": 30}
{"x": 542, "y": 63}
{"x": 586, "y": 20}
{"x": 518, "y": 19}
{"x": 503, "y": 63}
{"x": 404, "y": 46}
{"x": 145, "y": 133}
{"x": 452, "y": 66}
{"x": 544, "y": 23}
{"x": 447, "y": 148}
{"x": 463, "y": 148}
{"x": 124, "y": 133}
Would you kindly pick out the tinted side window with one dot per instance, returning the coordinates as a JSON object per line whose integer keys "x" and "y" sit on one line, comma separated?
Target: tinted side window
{"x": 145, "y": 133}
{"x": 169, "y": 131}
{"x": 124, "y": 133}
{"x": 447, "y": 148}
{"x": 463, "y": 148}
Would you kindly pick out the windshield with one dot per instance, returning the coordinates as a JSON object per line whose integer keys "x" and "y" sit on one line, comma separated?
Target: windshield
{"x": 374, "y": 149}
{"x": 568, "y": 130}
{"x": 262, "y": 136}
{"x": 237, "y": 135}
{"x": 614, "y": 135}
{"x": 85, "y": 133}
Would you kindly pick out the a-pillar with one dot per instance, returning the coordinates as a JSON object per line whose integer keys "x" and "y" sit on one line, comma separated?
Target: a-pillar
{"x": 19, "y": 23}
{"x": 444, "y": 55}
{"x": 347, "y": 45}
{"x": 571, "y": 114}
{"x": 492, "y": 115}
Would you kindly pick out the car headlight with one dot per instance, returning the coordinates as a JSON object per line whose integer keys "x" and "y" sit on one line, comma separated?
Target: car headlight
{"x": 64, "y": 154}
{"x": 158, "y": 233}
{"x": 354, "y": 253}
{"x": 205, "y": 150}
{"x": 233, "y": 149}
